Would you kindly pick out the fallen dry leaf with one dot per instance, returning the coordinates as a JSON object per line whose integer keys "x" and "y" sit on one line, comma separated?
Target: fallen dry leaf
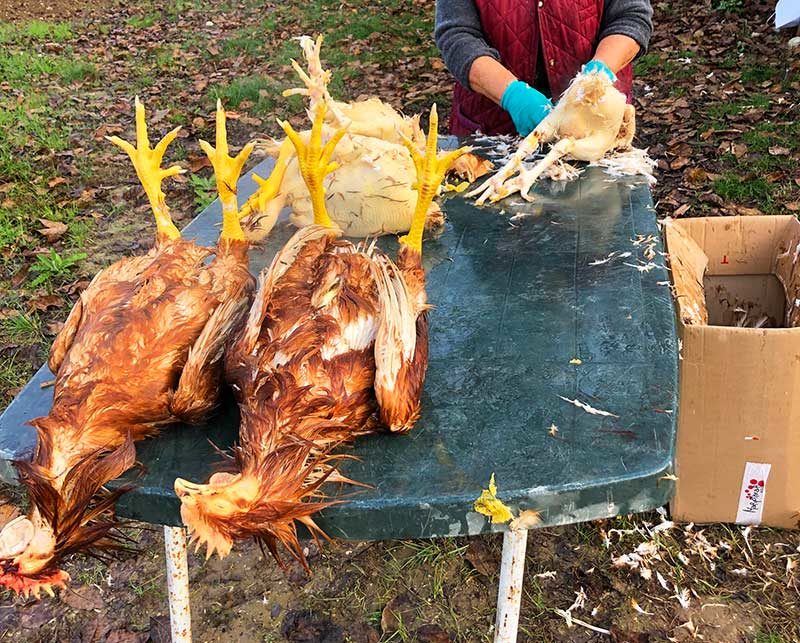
{"x": 431, "y": 634}
{"x": 779, "y": 151}
{"x": 45, "y": 301}
{"x": 108, "y": 129}
{"x": 126, "y": 636}
{"x": 681, "y": 210}
{"x": 398, "y": 612}
{"x": 52, "y": 230}
{"x": 679, "y": 163}
{"x": 480, "y": 557}
{"x": 97, "y": 629}
{"x": 83, "y": 597}
{"x": 738, "y": 149}
{"x": 696, "y": 175}
{"x": 19, "y": 277}
{"x": 197, "y": 163}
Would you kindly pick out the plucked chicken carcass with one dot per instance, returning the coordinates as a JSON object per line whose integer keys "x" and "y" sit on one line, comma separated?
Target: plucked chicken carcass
{"x": 590, "y": 120}
{"x": 141, "y": 348}
{"x": 369, "y": 192}
{"x": 336, "y": 332}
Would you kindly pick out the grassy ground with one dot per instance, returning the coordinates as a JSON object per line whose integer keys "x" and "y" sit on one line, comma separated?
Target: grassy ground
{"x": 717, "y": 104}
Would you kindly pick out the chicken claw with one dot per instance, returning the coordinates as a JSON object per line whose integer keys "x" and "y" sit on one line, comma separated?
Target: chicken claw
{"x": 147, "y": 162}
{"x": 227, "y": 170}
{"x": 315, "y": 162}
{"x": 269, "y": 188}
{"x": 495, "y": 188}
{"x": 431, "y": 169}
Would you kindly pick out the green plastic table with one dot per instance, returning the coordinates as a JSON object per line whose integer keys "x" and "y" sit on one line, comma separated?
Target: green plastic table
{"x": 521, "y": 292}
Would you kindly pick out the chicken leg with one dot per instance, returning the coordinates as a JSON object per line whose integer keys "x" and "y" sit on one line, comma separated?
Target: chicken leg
{"x": 430, "y": 173}
{"x": 147, "y": 162}
{"x": 315, "y": 81}
{"x": 401, "y": 342}
{"x": 315, "y": 162}
{"x": 198, "y": 389}
{"x": 227, "y": 170}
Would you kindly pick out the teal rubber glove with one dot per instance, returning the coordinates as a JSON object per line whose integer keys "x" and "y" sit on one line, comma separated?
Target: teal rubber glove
{"x": 599, "y": 66}
{"x": 526, "y": 106}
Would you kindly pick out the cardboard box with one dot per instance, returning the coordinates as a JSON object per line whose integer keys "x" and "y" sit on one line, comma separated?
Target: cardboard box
{"x": 737, "y": 287}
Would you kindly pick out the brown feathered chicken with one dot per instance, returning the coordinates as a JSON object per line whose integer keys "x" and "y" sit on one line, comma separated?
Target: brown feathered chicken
{"x": 336, "y": 332}
{"x": 141, "y": 348}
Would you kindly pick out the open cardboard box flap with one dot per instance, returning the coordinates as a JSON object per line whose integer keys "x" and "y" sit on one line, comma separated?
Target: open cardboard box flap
{"x": 739, "y": 415}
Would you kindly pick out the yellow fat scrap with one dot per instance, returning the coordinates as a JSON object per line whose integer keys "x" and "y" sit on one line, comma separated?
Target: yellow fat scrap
{"x": 456, "y": 187}
{"x": 490, "y": 505}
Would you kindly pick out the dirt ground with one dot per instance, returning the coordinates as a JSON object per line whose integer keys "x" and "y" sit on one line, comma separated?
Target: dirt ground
{"x": 12, "y": 11}
{"x": 717, "y": 105}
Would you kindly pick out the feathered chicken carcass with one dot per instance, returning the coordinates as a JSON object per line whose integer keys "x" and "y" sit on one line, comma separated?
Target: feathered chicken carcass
{"x": 590, "y": 120}
{"x": 369, "y": 193}
{"x": 336, "y": 331}
{"x": 141, "y": 348}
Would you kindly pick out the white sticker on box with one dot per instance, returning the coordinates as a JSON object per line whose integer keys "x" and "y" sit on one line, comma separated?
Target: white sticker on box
{"x": 754, "y": 490}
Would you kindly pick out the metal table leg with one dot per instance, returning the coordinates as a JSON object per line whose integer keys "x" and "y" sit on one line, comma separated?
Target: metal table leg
{"x": 180, "y": 617}
{"x": 512, "y": 570}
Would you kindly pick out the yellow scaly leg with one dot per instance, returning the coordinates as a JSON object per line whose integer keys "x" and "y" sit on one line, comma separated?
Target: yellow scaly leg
{"x": 147, "y": 162}
{"x": 227, "y": 170}
{"x": 315, "y": 162}
{"x": 431, "y": 169}
{"x": 268, "y": 188}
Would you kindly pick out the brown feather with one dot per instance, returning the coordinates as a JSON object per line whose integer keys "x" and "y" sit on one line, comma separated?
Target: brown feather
{"x": 303, "y": 370}
{"x": 142, "y": 348}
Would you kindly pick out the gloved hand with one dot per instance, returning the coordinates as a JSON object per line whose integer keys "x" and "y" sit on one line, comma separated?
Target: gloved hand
{"x": 526, "y": 106}
{"x": 598, "y": 65}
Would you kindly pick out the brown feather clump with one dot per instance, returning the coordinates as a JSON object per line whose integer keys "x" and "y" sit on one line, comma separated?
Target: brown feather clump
{"x": 143, "y": 347}
{"x": 337, "y": 333}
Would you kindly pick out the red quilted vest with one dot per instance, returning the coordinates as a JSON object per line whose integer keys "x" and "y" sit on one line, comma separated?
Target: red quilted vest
{"x": 568, "y": 30}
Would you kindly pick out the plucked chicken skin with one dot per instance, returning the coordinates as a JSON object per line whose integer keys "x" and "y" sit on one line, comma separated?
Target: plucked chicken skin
{"x": 369, "y": 192}
{"x": 590, "y": 120}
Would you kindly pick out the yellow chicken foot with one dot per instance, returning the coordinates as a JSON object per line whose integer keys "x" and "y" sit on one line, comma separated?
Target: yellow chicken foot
{"x": 315, "y": 162}
{"x": 227, "y": 170}
{"x": 431, "y": 169}
{"x": 268, "y": 188}
{"x": 147, "y": 162}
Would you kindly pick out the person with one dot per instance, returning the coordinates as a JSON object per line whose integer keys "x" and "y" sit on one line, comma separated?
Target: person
{"x": 510, "y": 57}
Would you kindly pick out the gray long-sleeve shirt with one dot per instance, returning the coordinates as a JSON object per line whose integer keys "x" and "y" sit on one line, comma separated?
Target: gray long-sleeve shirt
{"x": 460, "y": 37}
